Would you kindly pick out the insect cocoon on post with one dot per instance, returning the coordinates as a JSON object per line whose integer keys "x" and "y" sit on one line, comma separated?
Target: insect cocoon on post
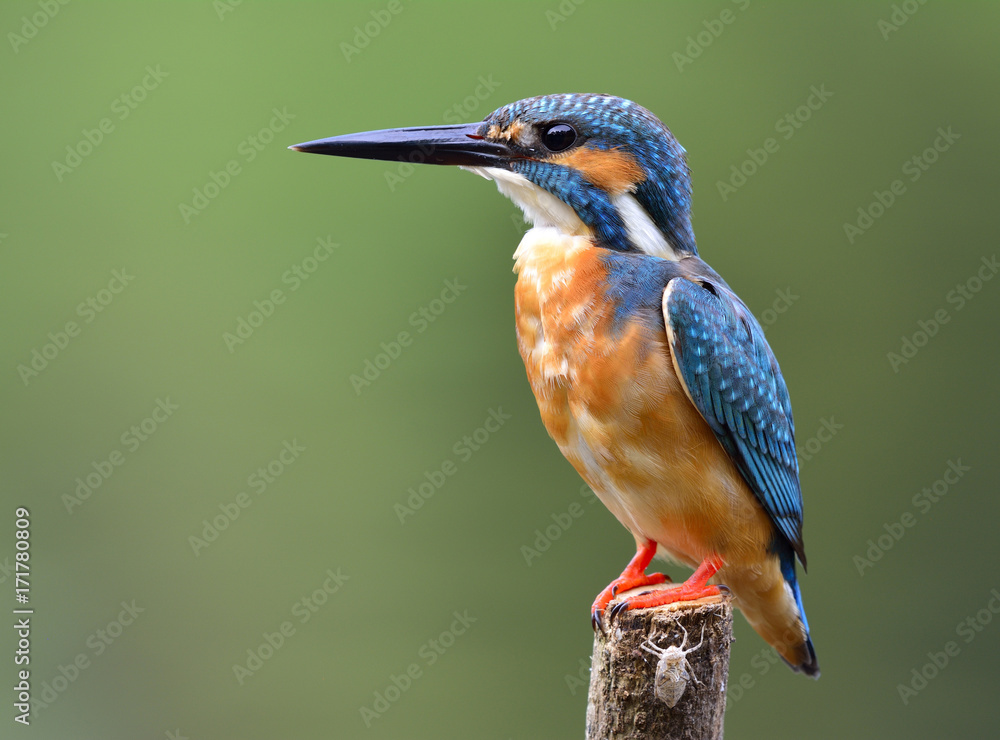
{"x": 672, "y": 670}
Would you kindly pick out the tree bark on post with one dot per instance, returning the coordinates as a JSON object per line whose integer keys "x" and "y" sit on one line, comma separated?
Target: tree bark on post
{"x": 623, "y": 702}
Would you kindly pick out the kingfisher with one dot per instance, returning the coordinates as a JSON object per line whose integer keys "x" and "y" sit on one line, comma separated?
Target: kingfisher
{"x": 653, "y": 378}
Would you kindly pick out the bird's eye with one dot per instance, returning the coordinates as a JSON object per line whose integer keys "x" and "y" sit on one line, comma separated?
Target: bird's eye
{"x": 558, "y": 137}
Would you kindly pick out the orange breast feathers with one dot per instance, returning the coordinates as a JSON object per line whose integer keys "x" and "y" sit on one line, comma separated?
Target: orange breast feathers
{"x": 609, "y": 396}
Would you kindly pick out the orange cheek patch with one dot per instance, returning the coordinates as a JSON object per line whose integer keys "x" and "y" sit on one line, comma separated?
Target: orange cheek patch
{"x": 611, "y": 170}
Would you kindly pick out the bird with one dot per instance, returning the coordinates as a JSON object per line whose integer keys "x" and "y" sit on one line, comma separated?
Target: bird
{"x": 651, "y": 375}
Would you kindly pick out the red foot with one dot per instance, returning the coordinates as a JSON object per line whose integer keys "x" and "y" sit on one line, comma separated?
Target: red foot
{"x": 694, "y": 588}
{"x": 633, "y": 576}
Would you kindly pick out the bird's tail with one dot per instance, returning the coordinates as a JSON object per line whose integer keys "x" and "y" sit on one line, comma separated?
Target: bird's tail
{"x": 772, "y": 603}
{"x": 807, "y": 653}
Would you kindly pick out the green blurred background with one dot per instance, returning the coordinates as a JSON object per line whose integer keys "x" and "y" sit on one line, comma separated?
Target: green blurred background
{"x": 189, "y": 88}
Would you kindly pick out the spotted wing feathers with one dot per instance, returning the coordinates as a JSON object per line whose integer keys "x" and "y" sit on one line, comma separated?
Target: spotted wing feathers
{"x": 731, "y": 376}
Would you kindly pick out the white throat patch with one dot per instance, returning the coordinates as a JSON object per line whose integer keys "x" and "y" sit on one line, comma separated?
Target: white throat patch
{"x": 544, "y": 210}
{"x": 540, "y": 206}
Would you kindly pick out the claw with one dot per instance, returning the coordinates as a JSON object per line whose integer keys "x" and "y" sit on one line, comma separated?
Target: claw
{"x": 693, "y": 588}
{"x": 617, "y": 609}
{"x": 634, "y": 576}
{"x": 597, "y": 622}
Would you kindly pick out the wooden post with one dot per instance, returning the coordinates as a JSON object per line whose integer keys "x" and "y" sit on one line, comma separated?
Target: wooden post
{"x": 623, "y": 702}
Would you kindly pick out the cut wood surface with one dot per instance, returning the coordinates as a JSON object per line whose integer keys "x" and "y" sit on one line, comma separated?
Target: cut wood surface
{"x": 623, "y": 702}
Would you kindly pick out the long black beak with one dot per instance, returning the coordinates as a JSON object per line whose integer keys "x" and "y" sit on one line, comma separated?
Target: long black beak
{"x": 455, "y": 145}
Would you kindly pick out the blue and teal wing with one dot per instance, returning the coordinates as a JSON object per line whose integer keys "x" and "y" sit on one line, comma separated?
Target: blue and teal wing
{"x": 731, "y": 376}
